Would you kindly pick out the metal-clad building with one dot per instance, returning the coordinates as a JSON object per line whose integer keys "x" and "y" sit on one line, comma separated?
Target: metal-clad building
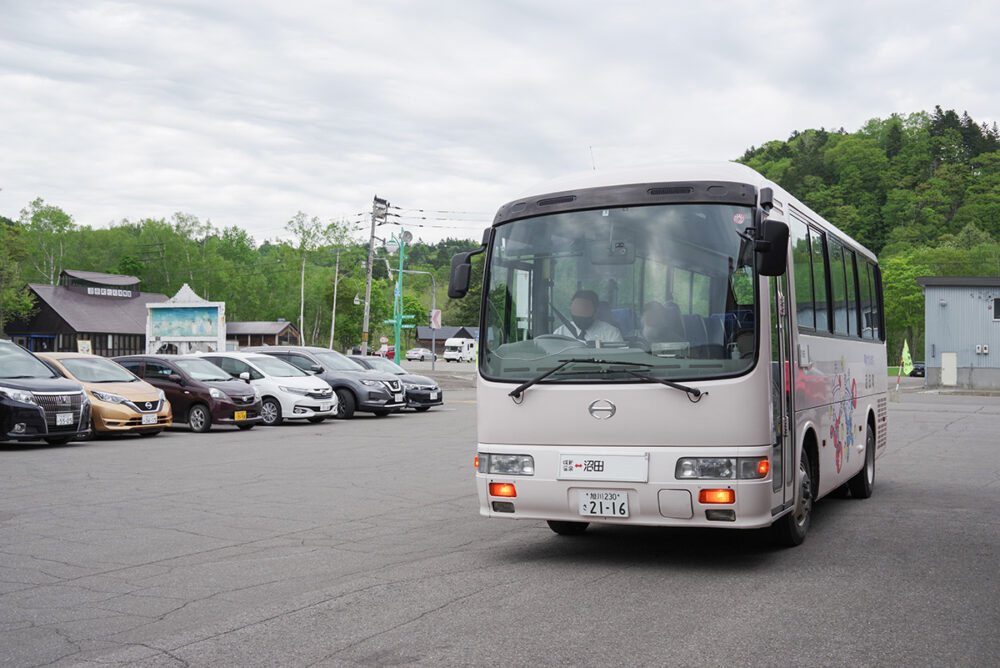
{"x": 962, "y": 331}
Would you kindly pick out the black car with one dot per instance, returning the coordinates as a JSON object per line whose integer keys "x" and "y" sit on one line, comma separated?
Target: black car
{"x": 200, "y": 393}
{"x": 357, "y": 388}
{"x": 919, "y": 370}
{"x": 36, "y": 403}
{"x": 421, "y": 392}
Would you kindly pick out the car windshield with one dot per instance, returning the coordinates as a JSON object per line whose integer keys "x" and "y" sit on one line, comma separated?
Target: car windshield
{"x": 331, "y": 359}
{"x": 382, "y": 364}
{"x": 96, "y": 370}
{"x": 202, "y": 369}
{"x": 668, "y": 286}
{"x": 15, "y": 362}
{"x": 272, "y": 366}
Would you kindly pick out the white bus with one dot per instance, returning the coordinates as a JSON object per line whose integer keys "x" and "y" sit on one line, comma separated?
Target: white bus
{"x": 685, "y": 347}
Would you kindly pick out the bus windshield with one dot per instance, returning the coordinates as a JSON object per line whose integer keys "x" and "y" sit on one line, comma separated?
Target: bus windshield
{"x": 670, "y": 287}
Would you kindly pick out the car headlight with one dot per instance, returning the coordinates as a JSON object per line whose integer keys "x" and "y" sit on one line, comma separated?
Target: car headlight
{"x": 293, "y": 390}
{"x": 216, "y": 393}
{"x": 109, "y": 397}
{"x": 163, "y": 397}
{"x": 506, "y": 464}
{"x": 721, "y": 468}
{"x": 410, "y": 386}
{"x": 23, "y": 396}
{"x": 371, "y": 383}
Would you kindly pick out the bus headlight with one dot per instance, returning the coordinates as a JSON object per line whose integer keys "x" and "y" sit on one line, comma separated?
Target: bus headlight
{"x": 506, "y": 464}
{"x": 721, "y": 468}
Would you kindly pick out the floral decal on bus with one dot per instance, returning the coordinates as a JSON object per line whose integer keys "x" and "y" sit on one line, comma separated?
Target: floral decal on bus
{"x": 845, "y": 399}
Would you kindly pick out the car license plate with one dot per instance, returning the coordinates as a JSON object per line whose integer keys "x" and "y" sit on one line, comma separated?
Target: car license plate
{"x": 149, "y": 418}
{"x": 399, "y": 397}
{"x": 601, "y": 466}
{"x": 325, "y": 407}
{"x": 240, "y": 415}
{"x": 64, "y": 419}
{"x": 603, "y": 503}
{"x": 434, "y": 396}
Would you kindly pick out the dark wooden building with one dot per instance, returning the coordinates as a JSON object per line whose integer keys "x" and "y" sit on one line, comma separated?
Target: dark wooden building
{"x": 262, "y": 333}
{"x": 106, "y": 310}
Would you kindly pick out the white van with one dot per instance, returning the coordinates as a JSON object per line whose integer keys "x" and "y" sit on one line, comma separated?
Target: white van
{"x": 459, "y": 350}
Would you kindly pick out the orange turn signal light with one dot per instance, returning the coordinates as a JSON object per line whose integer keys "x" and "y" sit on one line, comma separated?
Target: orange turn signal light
{"x": 763, "y": 466}
{"x": 717, "y": 496}
{"x": 502, "y": 489}
{"x": 477, "y": 461}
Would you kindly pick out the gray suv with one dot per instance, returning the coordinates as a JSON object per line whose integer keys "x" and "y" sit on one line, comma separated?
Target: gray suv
{"x": 357, "y": 388}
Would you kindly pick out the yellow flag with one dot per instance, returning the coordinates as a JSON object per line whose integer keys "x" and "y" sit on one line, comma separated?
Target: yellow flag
{"x": 907, "y": 362}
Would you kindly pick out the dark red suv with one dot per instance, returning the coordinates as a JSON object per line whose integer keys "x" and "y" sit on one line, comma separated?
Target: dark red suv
{"x": 199, "y": 392}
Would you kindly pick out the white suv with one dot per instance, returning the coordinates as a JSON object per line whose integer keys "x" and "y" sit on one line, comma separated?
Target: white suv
{"x": 287, "y": 392}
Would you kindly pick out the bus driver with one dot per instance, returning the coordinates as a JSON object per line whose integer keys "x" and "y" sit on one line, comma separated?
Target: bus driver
{"x": 583, "y": 310}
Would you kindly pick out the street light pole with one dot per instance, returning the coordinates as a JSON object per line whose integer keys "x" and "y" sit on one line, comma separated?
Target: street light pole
{"x": 333, "y": 315}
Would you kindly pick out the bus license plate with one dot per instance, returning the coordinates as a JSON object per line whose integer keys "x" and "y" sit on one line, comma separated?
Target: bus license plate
{"x": 64, "y": 419}
{"x": 149, "y": 418}
{"x": 603, "y": 503}
{"x": 240, "y": 415}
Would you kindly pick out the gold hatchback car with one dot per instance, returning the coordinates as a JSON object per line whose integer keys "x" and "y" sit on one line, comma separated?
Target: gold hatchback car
{"x": 120, "y": 401}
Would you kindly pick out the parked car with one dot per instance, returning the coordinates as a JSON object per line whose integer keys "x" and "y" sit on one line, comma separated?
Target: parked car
{"x": 919, "y": 370}
{"x": 36, "y": 403}
{"x": 420, "y": 354}
{"x": 287, "y": 392}
{"x": 200, "y": 393}
{"x": 421, "y": 392}
{"x": 119, "y": 400}
{"x": 357, "y": 388}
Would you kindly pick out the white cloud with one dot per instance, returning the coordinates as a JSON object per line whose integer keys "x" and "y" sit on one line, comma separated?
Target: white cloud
{"x": 246, "y": 112}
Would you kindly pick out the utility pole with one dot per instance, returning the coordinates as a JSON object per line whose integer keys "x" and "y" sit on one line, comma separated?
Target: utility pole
{"x": 380, "y": 208}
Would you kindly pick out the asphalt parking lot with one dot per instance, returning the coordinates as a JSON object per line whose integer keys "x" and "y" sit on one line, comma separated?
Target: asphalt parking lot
{"x": 359, "y": 543}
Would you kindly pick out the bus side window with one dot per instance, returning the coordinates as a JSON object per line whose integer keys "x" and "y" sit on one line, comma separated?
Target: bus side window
{"x": 838, "y": 287}
{"x": 819, "y": 281}
{"x": 852, "y": 295}
{"x": 865, "y": 288}
{"x": 803, "y": 274}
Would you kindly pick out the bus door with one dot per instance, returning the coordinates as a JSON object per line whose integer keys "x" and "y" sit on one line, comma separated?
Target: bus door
{"x": 782, "y": 379}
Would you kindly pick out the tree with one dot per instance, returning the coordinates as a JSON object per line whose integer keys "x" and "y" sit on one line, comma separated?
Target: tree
{"x": 16, "y": 300}
{"x": 47, "y": 229}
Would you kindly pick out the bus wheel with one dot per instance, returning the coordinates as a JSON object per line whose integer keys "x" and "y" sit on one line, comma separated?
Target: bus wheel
{"x": 791, "y": 529}
{"x": 861, "y": 484}
{"x": 568, "y": 528}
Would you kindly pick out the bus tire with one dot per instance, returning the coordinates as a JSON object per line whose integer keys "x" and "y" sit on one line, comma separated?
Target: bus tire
{"x": 568, "y": 528}
{"x": 791, "y": 529}
{"x": 862, "y": 484}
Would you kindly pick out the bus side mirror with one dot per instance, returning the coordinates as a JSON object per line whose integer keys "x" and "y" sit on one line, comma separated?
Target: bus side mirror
{"x": 461, "y": 269}
{"x": 772, "y": 248}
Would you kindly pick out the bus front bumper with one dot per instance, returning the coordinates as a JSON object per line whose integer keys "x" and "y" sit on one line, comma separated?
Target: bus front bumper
{"x": 662, "y": 501}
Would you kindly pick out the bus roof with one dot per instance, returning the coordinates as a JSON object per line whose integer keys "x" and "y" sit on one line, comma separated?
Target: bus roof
{"x": 674, "y": 172}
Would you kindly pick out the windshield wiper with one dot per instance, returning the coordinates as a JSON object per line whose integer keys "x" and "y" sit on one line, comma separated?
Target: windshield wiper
{"x": 519, "y": 390}
{"x": 694, "y": 394}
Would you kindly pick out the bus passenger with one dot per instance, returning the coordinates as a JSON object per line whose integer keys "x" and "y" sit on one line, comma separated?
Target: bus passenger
{"x": 583, "y": 310}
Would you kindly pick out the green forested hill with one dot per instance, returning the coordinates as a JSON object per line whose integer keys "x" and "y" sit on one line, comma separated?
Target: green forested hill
{"x": 921, "y": 190}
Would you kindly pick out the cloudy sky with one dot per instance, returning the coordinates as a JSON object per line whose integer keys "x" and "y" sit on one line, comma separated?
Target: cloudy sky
{"x": 244, "y": 112}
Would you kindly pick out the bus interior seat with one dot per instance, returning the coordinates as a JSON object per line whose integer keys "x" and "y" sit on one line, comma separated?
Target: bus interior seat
{"x": 674, "y": 325}
{"x": 624, "y": 319}
{"x": 716, "y": 342}
{"x": 696, "y": 334}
